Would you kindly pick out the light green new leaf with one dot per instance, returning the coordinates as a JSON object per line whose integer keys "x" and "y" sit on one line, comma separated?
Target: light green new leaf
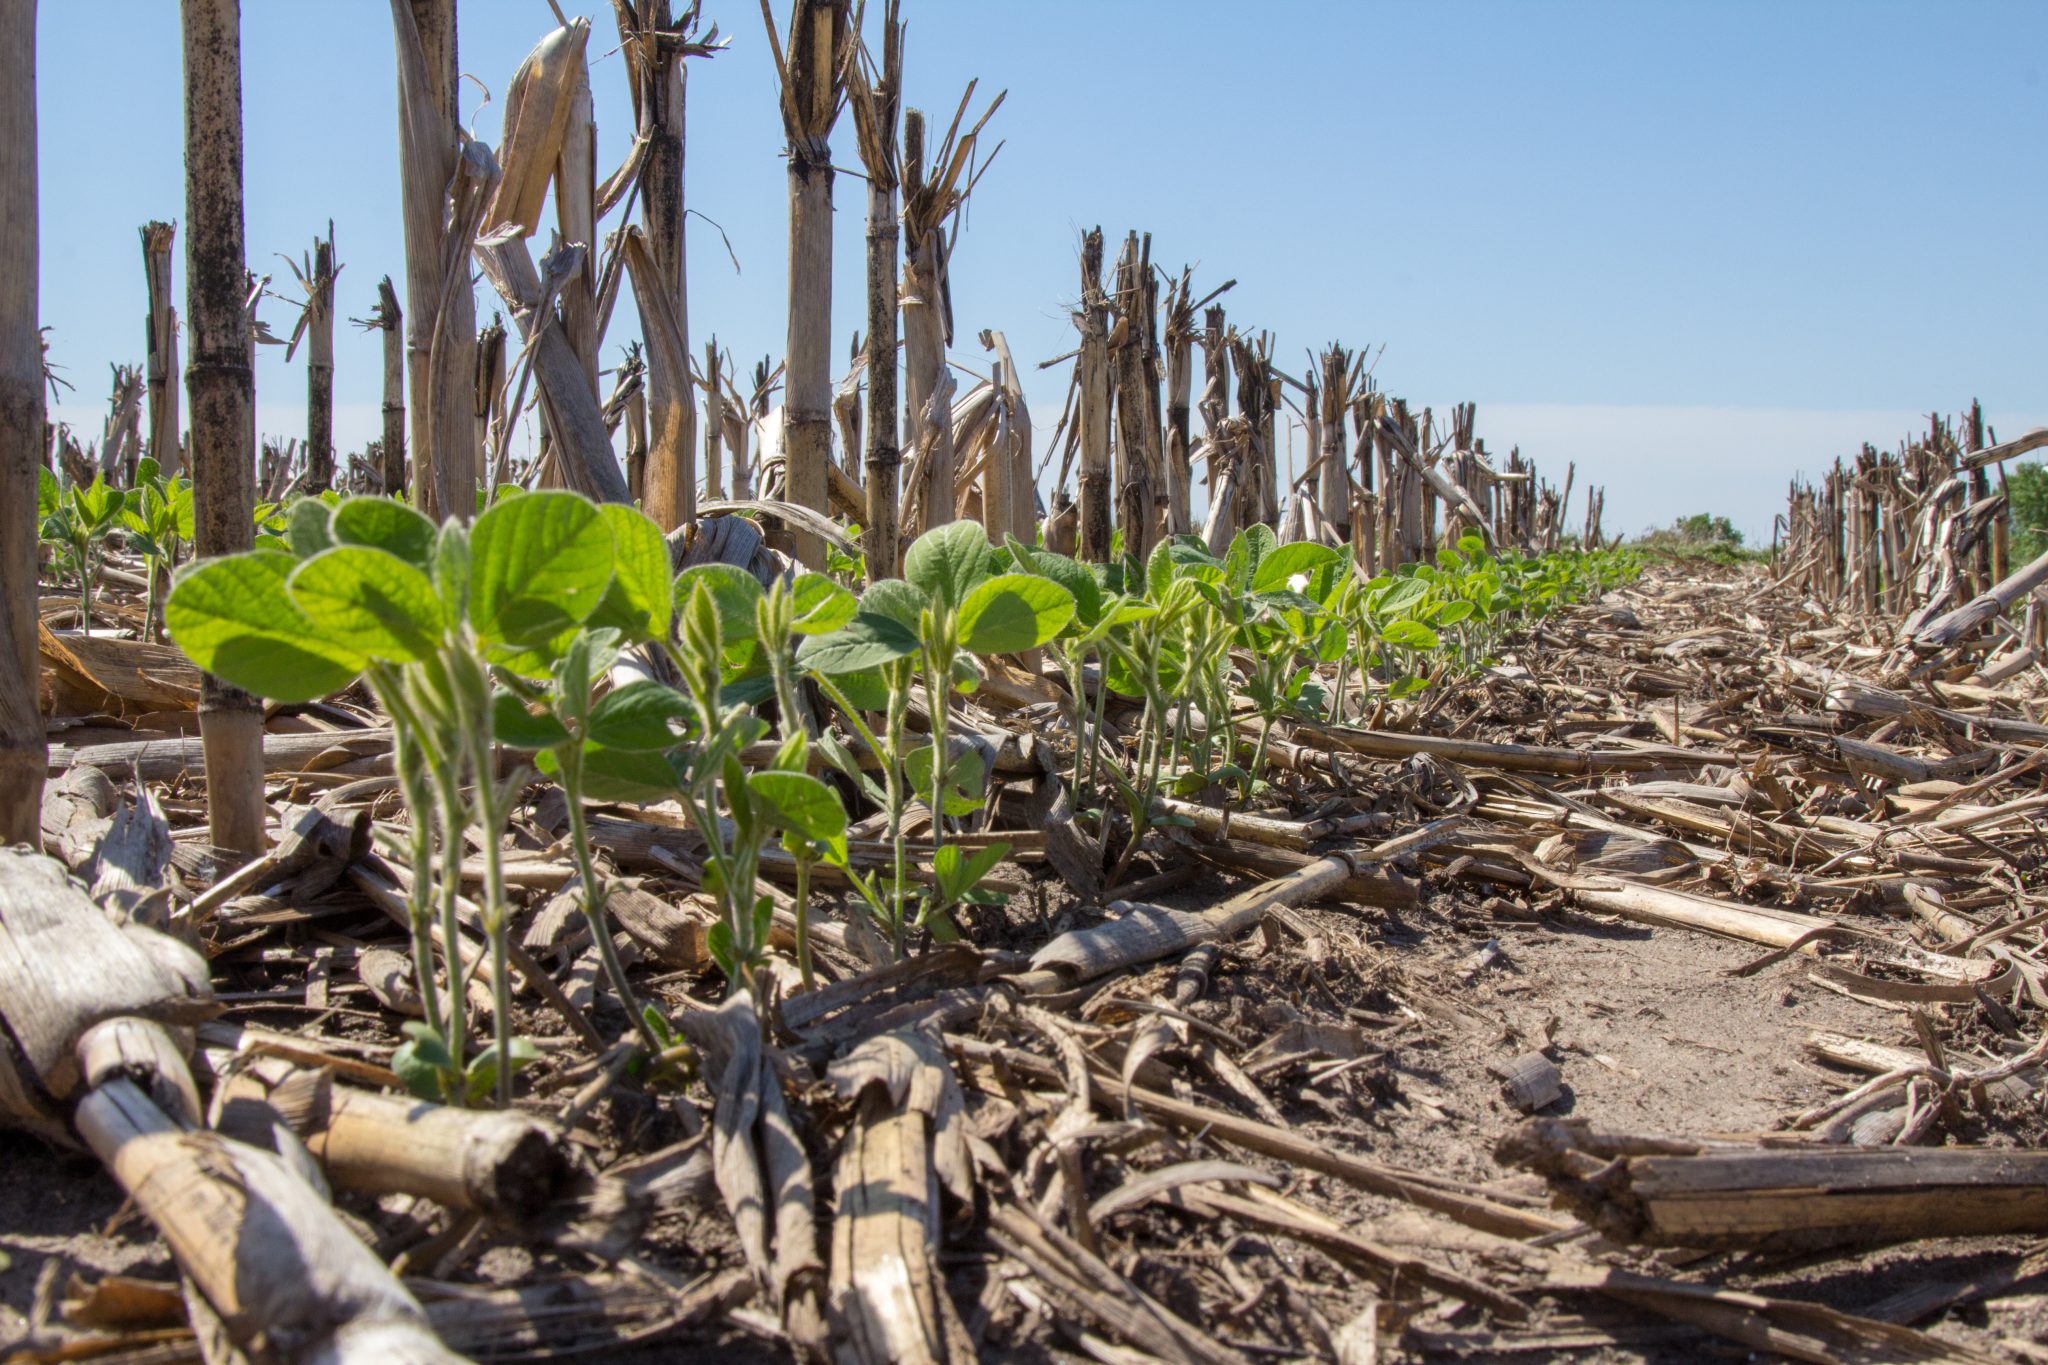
{"x": 966, "y": 785}
{"x": 232, "y": 617}
{"x": 1014, "y": 611}
{"x": 897, "y": 600}
{"x": 800, "y": 802}
{"x": 862, "y": 643}
{"x": 1248, "y": 549}
{"x": 308, "y": 527}
{"x": 386, "y": 524}
{"x": 451, "y": 568}
{"x": 1070, "y": 574}
{"x": 959, "y": 873}
{"x": 735, "y": 592}
{"x": 512, "y": 724}
{"x": 371, "y": 602}
{"x": 538, "y": 562}
{"x": 1409, "y": 634}
{"x": 947, "y": 561}
{"x": 641, "y": 600}
{"x": 635, "y": 777}
{"x": 636, "y": 717}
{"x": 821, "y": 605}
{"x": 1300, "y": 557}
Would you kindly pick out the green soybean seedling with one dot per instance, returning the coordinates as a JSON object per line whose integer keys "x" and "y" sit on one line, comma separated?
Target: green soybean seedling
{"x": 923, "y": 629}
{"x": 603, "y": 748}
{"x": 157, "y": 518}
{"x": 76, "y": 522}
{"x": 368, "y": 586}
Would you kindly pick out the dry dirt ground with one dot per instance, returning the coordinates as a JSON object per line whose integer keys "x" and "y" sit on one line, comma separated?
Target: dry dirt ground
{"x": 1654, "y": 1031}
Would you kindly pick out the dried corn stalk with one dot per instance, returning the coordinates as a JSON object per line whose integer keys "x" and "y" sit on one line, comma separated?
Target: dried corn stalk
{"x": 932, "y": 193}
{"x": 389, "y": 319}
{"x": 1092, "y": 318}
{"x": 876, "y": 101}
{"x": 316, "y": 274}
{"x": 655, "y": 46}
{"x": 813, "y": 82}
{"x": 22, "y": 746}
{"x": 221, "y": 385}
{"x": 445, "y": 184}
{"x": 165, "y": 447}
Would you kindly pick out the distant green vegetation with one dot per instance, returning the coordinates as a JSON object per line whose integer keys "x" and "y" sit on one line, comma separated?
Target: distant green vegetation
{"x": 2026, "y": 493}
{"x": 1701, "y": 536}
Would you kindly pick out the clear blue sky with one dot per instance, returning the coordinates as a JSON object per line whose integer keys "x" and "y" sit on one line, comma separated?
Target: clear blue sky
{"x": 1693, "y": 248}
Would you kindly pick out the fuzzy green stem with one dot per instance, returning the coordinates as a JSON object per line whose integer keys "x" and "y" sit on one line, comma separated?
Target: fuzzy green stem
{"x": 595, "y": 895}
{"x": 803, "y": 921}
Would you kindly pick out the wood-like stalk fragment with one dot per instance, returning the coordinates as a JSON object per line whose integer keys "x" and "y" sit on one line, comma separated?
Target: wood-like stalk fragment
{"x": 390, "y": 320}
{"x": 440, "y": 309}
{"x": 22, "y": 745}
{"x": 1092, "y": 318}
{"x": 656, "y": 45}
{"x": 165, "y": 445}
{"x": 220, "y": 384}
{"x": 813, "y": 84}
{"x": 875, "y": 99}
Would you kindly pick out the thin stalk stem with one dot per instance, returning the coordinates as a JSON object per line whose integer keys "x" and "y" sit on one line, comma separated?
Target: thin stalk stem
{"x": 595, "y": 895}
{"x": 803, "y": 922}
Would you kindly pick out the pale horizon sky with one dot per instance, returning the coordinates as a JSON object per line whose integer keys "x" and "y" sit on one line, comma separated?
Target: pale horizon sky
{"x": 1693, "y": 249}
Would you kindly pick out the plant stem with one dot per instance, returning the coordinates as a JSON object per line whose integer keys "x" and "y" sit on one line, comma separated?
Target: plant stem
{"x": 410, "y": 763}
{"x": 474, "y": 721}
{"x": 893, "y": 782}
{"x": 803, "y": 921}
{"x": 594, "y": 892}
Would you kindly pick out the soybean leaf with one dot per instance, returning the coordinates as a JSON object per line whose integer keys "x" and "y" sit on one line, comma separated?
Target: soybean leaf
{"x": 821, "y": 605}
{"x": 538, "y": 660}
{"x": 864, "y": 688}
{"x": 387, "y": 524}
{"x": 801, "y": 803}
{"x": 513, "y": 724}
{"x": 1159, "y": 571}
{"x": 1075, "y": 577}
{"x": 1190, "y": 553}
{"x": 966, "y": 784}
{"x": 451, "y": 568}
{"x": 735, "y": 593}
{"x": 1279, "y": 567}
{"x": 865, "y": 642}
{"x": 233, "y": 618}
{"x": 49, "y": 496}
{"x": 966, "y": 674}
{"x": 538, "y": 563}
{"x": 641, "y": 600}
{"x": 635, "y": 777}
{"x": 422, "y": 1060}
{"x": 748, "y": 691}
{"x": 1248, "y": 549}
{"x": 371, "y": 602}
{"x": 959, "y": 872}
{"x": 1409, "y": 635}
{"x": 481, "y": 1078}
{"x": 1014, "y": 611}
{"x": 636, "y": 717}
{"x": 308, "y": 527}
{"x": 897, "y": 600}
{"x": 947, "y": 561}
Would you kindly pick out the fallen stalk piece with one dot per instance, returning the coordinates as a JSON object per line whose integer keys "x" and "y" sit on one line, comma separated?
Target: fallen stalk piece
{"x": 1723, "y": 1196}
